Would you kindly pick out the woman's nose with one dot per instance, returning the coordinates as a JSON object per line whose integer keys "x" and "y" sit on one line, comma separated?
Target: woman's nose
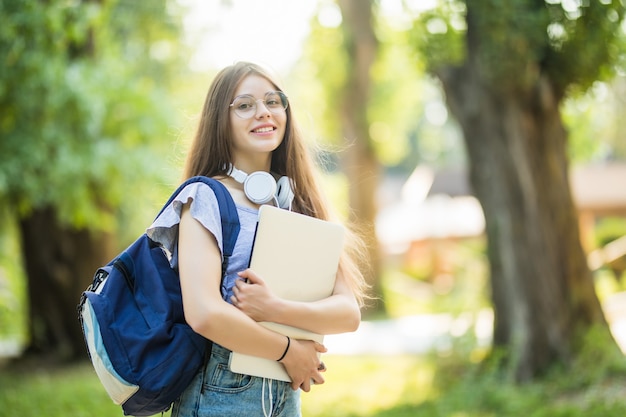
{"x": 261, "y": 109}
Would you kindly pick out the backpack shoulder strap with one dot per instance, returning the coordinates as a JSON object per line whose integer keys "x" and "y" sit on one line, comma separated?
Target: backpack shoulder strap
{"x": 228, "y": 213}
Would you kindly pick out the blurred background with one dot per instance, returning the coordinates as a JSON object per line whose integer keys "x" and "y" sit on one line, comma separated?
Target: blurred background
{"x": 476, "y": 145}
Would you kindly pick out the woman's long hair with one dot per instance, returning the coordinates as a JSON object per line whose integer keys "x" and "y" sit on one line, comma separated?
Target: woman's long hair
{"x": 211, "y": 154}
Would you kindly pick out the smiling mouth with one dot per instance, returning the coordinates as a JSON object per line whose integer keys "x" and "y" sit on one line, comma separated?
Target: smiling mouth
{"x": 263, "y": 130}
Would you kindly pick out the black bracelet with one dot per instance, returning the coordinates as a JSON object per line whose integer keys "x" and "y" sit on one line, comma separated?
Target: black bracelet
{"x": 286, "y": 349}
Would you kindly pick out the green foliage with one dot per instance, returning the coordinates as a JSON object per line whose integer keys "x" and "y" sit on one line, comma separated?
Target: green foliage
{"x": 516, "y": 41}
{"x": 512, "y": 40}
{"x": 593, "y": 120}
{"x": 83, "y": 109}
{"x": 437, "y": 35}
{"x": 12, "y": 285}
{"x": 584, "y": 43}
{"x": 37, "y": 109}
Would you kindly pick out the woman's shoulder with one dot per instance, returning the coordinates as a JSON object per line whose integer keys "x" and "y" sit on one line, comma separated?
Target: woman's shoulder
{"x": 205, "y": 208}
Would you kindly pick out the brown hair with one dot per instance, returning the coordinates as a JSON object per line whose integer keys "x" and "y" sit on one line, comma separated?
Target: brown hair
{"x": 210, "y": 155}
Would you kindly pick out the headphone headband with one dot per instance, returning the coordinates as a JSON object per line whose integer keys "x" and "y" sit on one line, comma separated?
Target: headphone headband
{"x": 260, "y": 187}
{"x": 237, "y": 174}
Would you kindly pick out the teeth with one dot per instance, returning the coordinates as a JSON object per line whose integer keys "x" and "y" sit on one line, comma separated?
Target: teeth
{"x": 264, "y": 129}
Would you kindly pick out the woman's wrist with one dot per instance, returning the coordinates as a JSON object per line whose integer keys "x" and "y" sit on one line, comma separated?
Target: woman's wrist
{"x": 286, "y": 350}
{"x": 274, "y": 311}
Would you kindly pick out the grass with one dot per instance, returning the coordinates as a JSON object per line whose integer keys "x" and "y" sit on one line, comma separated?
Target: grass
{"x": 356, "y": 386}
{"x": 366, "y": 385}
{"x": 54, "y": 392}
{"x": 376, "y": 386}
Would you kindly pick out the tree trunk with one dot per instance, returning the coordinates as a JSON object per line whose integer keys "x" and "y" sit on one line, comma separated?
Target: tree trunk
{"x": 359, "y": 161}
{"x": 542, "y": 290}
{"x": 60, "y": 262}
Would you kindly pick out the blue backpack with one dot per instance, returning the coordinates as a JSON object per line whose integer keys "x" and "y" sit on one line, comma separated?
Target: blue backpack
{"x": 143, "y": 351}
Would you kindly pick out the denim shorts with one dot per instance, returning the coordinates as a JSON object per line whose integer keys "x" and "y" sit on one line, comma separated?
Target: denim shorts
{"x": 216, "y": 391}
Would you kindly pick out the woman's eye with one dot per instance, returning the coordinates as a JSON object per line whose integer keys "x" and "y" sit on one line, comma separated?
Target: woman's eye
{"x": 245, "y": 105}
{"x": 273, "y": 100}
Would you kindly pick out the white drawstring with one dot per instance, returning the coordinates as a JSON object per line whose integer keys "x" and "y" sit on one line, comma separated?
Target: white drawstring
{"x": 265, "y": 413}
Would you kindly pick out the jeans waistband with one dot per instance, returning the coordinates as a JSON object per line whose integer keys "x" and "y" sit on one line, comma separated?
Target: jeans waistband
{"x": 220, "y": 351}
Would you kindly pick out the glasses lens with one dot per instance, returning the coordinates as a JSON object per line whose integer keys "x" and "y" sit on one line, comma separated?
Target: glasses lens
{"x": 244, "y": 106}
{"x": 275, "y": 101}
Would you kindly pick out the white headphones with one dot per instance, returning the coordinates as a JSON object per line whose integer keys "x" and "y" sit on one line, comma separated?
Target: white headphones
{"x": 260, "y": 187}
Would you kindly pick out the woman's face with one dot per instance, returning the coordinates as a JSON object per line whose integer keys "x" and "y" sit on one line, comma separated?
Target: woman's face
{"x": 257, "y": 123}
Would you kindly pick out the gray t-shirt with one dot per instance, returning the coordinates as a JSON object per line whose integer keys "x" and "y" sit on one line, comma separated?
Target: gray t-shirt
{"x": 204, "y": 208}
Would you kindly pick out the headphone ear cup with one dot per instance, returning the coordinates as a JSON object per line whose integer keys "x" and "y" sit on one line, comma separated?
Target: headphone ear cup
{"x": 284, "y": 193}
{"x": 260, "y": 187}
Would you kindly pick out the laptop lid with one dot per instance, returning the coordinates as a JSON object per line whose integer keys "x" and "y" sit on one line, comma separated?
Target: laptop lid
{"x": 297, "y": 256}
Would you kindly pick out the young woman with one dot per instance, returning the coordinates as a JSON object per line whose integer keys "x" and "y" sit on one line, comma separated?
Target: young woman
{"x": 247, "y": 126}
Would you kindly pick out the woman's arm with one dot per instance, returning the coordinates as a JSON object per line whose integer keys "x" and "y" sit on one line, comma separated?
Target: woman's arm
{"x": 338, "y": 313}
{"x": 209, "y": 315}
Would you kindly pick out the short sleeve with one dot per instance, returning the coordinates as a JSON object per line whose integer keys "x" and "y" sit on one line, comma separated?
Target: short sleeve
{"x": 204, "y": 208}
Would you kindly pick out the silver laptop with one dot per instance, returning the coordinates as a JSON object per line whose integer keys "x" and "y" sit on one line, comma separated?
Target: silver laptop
{"x": 297, "y": 256}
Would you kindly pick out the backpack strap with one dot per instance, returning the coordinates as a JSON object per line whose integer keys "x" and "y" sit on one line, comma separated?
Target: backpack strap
{"x": 228, "y": 214}
{"x": 230, "y": 231}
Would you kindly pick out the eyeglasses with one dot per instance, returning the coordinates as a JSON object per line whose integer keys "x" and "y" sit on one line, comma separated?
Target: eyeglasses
{"x": 245, "y": 105}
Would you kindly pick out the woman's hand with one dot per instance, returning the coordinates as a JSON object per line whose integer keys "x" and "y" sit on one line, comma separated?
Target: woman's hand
{"x": 254, "y": 297}
{"x": 303, "y": 364}
{"x": 301, "y": 361}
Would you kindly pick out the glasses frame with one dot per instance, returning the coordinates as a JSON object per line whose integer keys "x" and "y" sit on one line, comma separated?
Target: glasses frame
{"x": 283, "y": 99}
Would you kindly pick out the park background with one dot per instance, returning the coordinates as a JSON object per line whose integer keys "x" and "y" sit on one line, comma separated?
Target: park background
{"x": 476, "y": 144}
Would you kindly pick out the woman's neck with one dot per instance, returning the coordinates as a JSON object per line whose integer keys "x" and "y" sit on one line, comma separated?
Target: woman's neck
{"x": 249, "y": 165}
